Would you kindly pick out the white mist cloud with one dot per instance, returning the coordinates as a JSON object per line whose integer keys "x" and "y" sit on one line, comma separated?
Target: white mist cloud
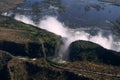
{"x": 24, "y": 19}
{"x": 51, "y": 24}
{"x": 103, "y": 41}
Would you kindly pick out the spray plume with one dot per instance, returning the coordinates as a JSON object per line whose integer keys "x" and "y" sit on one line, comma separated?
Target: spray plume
{"x": 51, "y": 24}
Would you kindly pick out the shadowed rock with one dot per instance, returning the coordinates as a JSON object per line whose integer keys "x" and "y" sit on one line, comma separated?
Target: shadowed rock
{"x": 88, "y": 51}
{"x": 26, "y": 70}
{"x": 4, "y": 58}
{"x": 25, "y": 40}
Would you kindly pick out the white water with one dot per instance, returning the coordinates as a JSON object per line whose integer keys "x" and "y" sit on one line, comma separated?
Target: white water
{"x": 51, "y": 24}
{"x": 24, "y": 19}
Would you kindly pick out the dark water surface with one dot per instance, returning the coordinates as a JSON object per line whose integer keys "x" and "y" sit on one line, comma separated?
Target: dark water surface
{"x": 74, "y": 13}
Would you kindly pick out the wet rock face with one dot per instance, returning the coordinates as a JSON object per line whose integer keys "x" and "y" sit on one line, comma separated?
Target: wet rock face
{"x": 88, "y": 51}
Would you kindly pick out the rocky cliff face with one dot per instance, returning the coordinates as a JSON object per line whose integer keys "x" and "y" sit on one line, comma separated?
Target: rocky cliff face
{"x": 4, "y": 58}
{"x": 33, "y": 70}
{"x": 25, "y": 40}
{"x": 19, "y": 68}
{"x": 88, "y": 51}
{"x": 22, "y": 57}
{"x": 24, "y": 44}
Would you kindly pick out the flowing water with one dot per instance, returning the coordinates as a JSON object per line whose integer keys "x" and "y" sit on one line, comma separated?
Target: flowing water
{"x": 88, "y": 20}
{"x": 74, "y": 13}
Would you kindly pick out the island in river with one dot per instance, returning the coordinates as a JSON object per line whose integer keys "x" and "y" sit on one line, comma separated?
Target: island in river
{"x": 117, "y": 2}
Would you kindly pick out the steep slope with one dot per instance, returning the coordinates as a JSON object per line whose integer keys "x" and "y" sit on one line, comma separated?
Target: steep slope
{"x": 25, "y": 40}
{"x": 88, "y": 51}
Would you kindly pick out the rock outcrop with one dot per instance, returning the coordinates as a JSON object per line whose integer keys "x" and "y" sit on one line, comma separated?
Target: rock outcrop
{"x": 4, "y": 58}
{"x": 26, "y": 40}
{"x": 88, "y": 51}
{"x": 33, "y": 70}
{"x": 21, "y": 68}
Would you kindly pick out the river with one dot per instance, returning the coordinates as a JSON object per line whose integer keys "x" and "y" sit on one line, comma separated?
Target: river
{"x": 89, "y": 20}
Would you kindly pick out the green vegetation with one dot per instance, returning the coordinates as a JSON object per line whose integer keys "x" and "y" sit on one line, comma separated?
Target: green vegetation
{"x": 88, "y": 51}
{"x": 89, "y": 68}
{"x": 22, "y": 56}
{"x": 25, "y": 40}
{"x": 34, "y": 71}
